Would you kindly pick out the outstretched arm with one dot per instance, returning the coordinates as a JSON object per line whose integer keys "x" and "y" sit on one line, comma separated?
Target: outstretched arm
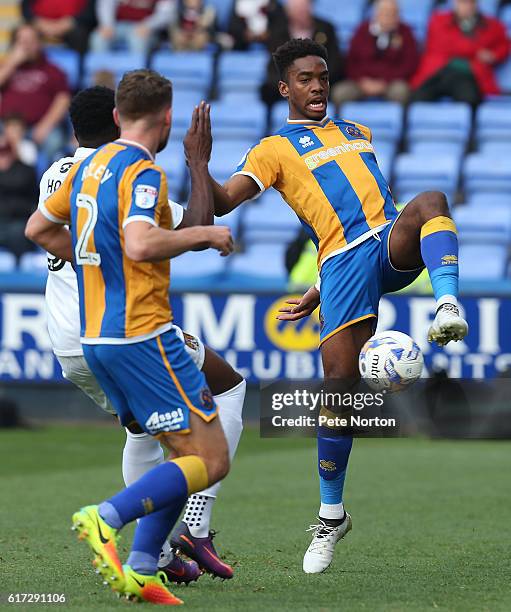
{"x": 146, "y": 242}
{"x": 239, "y": 188}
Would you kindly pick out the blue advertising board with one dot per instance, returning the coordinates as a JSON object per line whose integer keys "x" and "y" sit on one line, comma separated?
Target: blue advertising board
{"x": 244, "y": 329}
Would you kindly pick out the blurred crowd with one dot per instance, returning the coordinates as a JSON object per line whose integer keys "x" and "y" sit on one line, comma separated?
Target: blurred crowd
{"x": 383, "y": 60}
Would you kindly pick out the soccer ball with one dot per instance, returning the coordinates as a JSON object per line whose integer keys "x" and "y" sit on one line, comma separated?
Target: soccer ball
{"x": 390, "y": 361}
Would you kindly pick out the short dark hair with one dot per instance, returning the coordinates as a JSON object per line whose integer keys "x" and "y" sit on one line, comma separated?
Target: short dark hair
{"x": 91, "y": 113}
{"x": 141, "y": 93}
{"x": 294, "y": 49}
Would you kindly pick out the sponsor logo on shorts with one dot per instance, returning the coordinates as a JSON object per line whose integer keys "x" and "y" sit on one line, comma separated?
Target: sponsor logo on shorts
{"x": 165, "y": 421}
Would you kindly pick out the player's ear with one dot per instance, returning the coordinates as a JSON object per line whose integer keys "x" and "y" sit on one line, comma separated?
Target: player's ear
{"x": 168, "y": 116}
{"x": 284, "y": 89}
{"x": 116, "y": 117}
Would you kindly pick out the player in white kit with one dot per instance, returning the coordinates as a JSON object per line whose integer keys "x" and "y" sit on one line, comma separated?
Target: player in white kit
{"x": 91, "y": 114}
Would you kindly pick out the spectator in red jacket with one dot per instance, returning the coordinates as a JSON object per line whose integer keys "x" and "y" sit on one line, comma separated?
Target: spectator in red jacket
{"x": 69, "y": 22}
{"x": 133, "y": 23}
{"x": 462, "y": 49}
{"x": 382, "y": 58}
{"x": 34, "y": 89}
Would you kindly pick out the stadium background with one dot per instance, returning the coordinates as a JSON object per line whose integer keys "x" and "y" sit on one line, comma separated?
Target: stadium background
{"x": 232, "y": 302}
{"x": 431, "y": 517}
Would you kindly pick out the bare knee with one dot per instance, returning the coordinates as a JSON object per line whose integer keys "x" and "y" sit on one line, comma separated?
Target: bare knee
{"x": 430, "y": 204}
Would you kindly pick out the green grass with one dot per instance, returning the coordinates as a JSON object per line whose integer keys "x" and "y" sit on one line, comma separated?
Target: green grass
{"x": 431, "y": 524}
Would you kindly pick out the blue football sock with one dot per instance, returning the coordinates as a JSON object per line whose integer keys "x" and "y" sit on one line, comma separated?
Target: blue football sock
{"x": 163, "y": 486}
{"x": 150, "y": 534}
{"x": 333, "y": 456}
{"x": 439, "y": 250}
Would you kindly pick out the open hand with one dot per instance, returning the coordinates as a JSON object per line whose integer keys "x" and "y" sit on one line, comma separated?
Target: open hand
{"x": 198, "y": 140}
{"x": 299, "y": 309}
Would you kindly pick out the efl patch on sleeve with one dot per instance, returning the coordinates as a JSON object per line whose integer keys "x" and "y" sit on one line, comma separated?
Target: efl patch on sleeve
{"x": 146, "y": 196}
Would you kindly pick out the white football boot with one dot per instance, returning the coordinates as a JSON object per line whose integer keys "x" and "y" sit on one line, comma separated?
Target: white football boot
{"x": 447, "y": 326}
{"x": 320, "y": 553}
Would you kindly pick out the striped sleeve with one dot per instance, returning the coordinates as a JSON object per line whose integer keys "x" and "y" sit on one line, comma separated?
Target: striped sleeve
{"x": 261, "y": 163}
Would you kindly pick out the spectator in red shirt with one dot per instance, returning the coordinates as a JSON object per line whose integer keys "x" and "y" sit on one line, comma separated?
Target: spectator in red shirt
{"x": 69, "y": 22}
{"x": 132, "y": 23}
{"x": 462, "y": 49}
{"x": 382, "y": 58}
{"x": 35, "y": 89}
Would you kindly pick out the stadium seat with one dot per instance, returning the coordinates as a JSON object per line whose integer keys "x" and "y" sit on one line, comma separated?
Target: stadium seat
{"x": 416, "y": 173}
{"x": 231, "y": 121}
{"x": 483, "y": 261}
{"x": 207, "y": 263}
{"x": 269, "y": 219}
{"x": 444, "y": 121}
{"x": 482, "y": 172}
{"x": 182, "y": 110}
{"x": 495, "y": 147}
{"x": 34, "y": 261}
{"x": 226, "y": 156}
{"x": 7, "y": 261}
{"x": 223, "y": 12}
{"x": 172, "y": 160}
{"x": 241, "y": 70}
{"x": 255, "y": 262}
{"x": 505, "y": 17}
{"x": 416, "y": 15}
{"x": 385, "y": 154}
{"x": 504, "y": 72}
{"x": 232, "y": 220}
{"x": 493, "y": 122}
{"x": 384, "y": 118}
{"x": 117, "y": 62}
{"x": 482, "y": 199}
{"x": 68, "y": 61}
{"x": 491, "y": 226}
{"x": 188, "y": 71}
{"x": 430, "y": 148}
{"x": 345, "y": 21}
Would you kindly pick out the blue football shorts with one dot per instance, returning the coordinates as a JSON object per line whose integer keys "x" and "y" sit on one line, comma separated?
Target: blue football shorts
{"x": 154, "y": 383}
{"x": 353, "y": 282}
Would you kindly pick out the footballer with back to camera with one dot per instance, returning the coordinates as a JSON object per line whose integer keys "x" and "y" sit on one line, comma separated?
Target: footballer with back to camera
{"x": 327, "y": 172}
{"x": 121, "y": 238}
{"x": 91, "y": 115}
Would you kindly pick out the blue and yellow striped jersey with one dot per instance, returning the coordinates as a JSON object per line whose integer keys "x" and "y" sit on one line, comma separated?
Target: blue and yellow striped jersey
{"x": 327, "y": 172}
{"x": 120, "y": 300}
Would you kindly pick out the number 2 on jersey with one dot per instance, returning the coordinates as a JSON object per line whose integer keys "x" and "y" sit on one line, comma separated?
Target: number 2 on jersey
{"x": 82, "y": 256}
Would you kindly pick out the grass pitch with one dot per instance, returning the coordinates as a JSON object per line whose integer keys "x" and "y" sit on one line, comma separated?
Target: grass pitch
{"x": 431, "y": 524}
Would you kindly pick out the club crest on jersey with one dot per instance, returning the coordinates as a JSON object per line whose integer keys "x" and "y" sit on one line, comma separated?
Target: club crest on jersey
{"x": 145, "y": 196}
{"x": 306, "y": 142}
{"x": 351, "y": 130}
